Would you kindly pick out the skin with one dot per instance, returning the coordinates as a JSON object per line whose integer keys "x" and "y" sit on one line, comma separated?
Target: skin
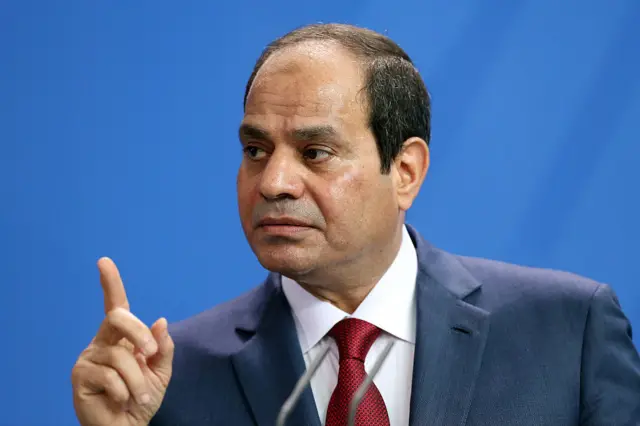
{"x": 120, "y": 379}
{"x": 309, "y": 158}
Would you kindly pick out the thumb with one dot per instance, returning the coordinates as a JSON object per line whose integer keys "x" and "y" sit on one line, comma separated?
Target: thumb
{"x": 162, "y": 362}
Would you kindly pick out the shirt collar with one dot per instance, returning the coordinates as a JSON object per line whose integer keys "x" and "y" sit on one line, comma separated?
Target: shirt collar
{"x": 390, "y": 305}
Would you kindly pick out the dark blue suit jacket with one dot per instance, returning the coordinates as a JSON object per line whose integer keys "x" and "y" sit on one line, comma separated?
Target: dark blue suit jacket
{"x": 497, "y": 344}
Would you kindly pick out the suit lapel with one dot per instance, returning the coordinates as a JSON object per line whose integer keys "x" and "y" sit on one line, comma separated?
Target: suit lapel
{"x": 271, "y": 362}
{"x": 450, "y": 339}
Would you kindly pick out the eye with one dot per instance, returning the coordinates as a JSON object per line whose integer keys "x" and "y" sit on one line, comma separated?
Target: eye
{"x": 315, "y": 154}
{"x": 253, "y": 152}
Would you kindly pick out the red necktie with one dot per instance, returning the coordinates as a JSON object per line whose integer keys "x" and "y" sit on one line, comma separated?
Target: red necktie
{"x": 354, "y": 338}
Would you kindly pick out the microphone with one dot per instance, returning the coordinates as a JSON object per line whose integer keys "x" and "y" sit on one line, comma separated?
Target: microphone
{"x": 362, "y": 390}
{"x": 302, "y": 383}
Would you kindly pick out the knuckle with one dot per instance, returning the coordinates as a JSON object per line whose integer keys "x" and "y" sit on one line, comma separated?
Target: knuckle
{"x": 114, "y": 317}
{"x": 126, "y": 345}
{"x": 110, "y": 377}
{"x": 119, "y": 351}
{"x": 124, "y": 363}
{"x": 117, "y": 391}
{"x": 108, "y": 357}
{"x": 115, "y": 356}
{"x": 170, "y": 345}
{"x": 76, "y": 374}
{"x": 80, "y": 371}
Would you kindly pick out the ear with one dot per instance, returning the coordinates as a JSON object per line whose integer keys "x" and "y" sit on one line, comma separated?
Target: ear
{"x": 411, "y": 167}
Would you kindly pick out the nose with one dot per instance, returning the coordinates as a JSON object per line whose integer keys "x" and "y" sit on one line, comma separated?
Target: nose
{"x": 281, "y": 177}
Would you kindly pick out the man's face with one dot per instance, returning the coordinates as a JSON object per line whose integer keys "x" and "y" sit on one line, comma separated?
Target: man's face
{"x": 310, "y": 192}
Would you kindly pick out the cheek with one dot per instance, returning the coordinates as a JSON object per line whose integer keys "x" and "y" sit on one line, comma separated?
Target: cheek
{"x": 345, "y": 198}
{"x": 359, "y": 198}
{"x": 245, "y": 192}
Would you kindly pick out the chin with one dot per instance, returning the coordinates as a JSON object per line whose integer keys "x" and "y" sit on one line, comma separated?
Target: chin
{"x": 285, "y": 260}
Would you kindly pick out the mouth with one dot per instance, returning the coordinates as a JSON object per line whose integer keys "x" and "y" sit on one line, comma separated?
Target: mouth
{"x": 283, "y": 221}
{"x": 283, "y": 226}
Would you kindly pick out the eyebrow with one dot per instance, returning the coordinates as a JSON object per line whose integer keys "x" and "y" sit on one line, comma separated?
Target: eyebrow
{"x": 308, "y": 134}
{"x": 247, "y": 131}
{"x": 315, "y": 133}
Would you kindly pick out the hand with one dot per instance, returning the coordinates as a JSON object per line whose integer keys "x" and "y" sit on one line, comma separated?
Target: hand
{"x": 120, "y": 379}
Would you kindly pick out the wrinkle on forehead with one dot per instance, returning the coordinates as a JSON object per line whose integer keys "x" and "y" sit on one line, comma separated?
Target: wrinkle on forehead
{"x": 326, "y": 101}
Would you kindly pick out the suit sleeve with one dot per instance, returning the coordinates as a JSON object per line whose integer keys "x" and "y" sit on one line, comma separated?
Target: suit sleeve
{"x": 610, "y": 373}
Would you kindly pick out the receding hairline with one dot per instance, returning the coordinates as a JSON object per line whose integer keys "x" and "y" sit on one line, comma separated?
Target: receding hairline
{"x": 394, "y": 93}
{"x": 360, "y": 64}
{"x": 331, "y": 44}
{"x": 364, "y": 44}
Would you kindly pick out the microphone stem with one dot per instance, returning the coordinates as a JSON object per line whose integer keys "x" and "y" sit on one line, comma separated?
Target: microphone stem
{"x": 302, "y": 383}
{"x": 362, "y": 390}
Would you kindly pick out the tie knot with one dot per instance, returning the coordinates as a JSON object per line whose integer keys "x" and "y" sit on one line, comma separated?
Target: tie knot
{"x": 354, "y": 338}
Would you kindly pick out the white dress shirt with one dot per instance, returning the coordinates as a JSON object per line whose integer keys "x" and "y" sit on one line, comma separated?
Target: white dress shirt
{"x": 391, "y": 307}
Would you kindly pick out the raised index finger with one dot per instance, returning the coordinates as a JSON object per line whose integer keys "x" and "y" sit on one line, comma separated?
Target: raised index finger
{"x": 112, "y": 286}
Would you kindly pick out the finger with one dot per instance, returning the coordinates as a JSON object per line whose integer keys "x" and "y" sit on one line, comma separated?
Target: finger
{"x": 124, "y": 362}
{"x": 102, "y": 379}
{"x": 120, "y": 323}
{"x": 162, "y": 362}
{"x": 112, "y": 286}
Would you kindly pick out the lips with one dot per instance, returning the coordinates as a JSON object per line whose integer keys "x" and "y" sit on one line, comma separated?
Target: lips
{"x": 283, "y": 221}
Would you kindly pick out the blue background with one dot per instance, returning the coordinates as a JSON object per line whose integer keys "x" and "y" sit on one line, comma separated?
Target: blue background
{"x": 118, "y": 126}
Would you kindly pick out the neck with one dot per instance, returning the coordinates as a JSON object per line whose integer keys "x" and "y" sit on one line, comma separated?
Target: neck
{"x": 351, "y": 282}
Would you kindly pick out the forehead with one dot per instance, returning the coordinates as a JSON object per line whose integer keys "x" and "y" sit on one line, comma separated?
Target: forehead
{"x": 308, "y": 81}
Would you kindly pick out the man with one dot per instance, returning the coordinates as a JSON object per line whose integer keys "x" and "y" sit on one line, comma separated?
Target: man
{"x": 336, "y": 142}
